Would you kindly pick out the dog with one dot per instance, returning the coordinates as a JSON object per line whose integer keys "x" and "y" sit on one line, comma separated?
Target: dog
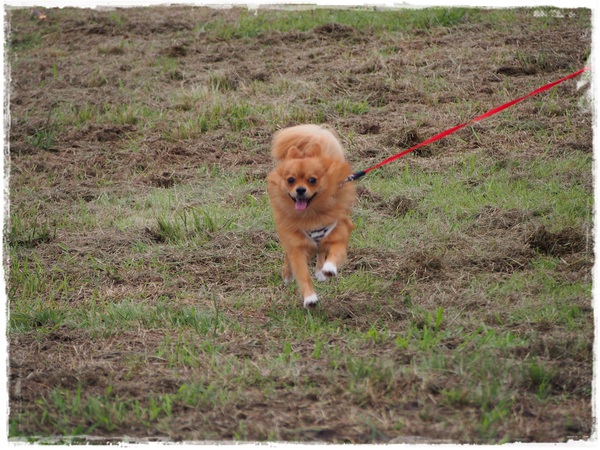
{"x": 311, "y": 204}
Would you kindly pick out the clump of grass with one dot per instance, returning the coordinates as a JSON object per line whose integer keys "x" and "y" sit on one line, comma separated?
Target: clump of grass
{"x": 29, "y": 232}
{"x": 223, "y": 81}
{"x": 347, "y": 107}
{"x": 194, "y": 224}
{"x": 76, "y": 414}
{"x": 541, "y": 379}
{"x": 194, "y": 127}
{"x": 86, "y": 114}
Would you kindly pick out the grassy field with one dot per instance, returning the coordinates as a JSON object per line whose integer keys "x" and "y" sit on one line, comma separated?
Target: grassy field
{"x": 143, "y": 270}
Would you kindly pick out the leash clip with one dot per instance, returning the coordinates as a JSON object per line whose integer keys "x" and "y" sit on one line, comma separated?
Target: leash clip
{"x": 354, "y": 177}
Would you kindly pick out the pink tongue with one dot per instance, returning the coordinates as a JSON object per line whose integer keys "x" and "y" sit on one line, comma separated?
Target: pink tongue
{"x": 301, "y": 204}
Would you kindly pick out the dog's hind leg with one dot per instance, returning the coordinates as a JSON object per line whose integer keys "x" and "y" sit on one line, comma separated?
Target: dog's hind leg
{"x": 319, "y": 269}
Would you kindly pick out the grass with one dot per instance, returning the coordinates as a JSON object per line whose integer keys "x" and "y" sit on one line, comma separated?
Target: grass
{"x": 251, "y": 24}
{"x": 106, "y": 411}
{"x": 142, "y": 253}
{"x": 450, "y": 209}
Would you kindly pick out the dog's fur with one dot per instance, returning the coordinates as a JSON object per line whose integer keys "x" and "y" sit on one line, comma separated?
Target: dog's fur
{"x": 308, "y": 198}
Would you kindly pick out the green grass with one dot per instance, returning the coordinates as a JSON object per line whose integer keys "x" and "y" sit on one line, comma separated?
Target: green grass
{"x": 105, "y": 411}
{"x": 448, "y": 202}
{"x": 80, "y": 115}
{"x": 446, "y": 208}
{"x": 251, "y": 24}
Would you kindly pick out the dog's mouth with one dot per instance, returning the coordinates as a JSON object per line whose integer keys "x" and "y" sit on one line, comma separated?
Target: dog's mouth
{"x": 301, "y": 203}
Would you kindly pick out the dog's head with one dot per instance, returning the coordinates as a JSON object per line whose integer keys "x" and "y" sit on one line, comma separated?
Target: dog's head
{"x": 307, "y": 179}
{"x": 303, "y": 177}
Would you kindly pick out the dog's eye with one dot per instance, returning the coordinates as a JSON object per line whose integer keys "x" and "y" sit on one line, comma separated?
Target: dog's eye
{"x": 312, "y": 181}
{"x": 291, "y": 180}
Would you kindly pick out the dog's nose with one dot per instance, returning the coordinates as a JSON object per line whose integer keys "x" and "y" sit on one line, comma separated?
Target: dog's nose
{"x": 301, "y": 191}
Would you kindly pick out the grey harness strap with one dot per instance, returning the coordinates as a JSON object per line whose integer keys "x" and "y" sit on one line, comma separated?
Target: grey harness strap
{"x": 317, "y": 235}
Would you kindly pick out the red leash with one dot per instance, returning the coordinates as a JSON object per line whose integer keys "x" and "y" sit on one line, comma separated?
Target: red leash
{"x": 449, "y": 131}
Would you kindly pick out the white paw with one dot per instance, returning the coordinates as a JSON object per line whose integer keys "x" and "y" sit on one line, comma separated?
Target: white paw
{"x": 310, "y": 301}
{"x": 320, "y": 276}
{"x": 329, "y": 269}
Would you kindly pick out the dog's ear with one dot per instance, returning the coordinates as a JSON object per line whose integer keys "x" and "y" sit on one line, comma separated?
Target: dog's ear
{"x": 313, "y": 149}
{"x": 282, "y": 150}
{"x": 294, "y": 153}
{"x": 309, "y": 151}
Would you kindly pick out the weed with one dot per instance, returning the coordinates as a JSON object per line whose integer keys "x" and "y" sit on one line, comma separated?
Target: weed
{"x": 540, "y": 378}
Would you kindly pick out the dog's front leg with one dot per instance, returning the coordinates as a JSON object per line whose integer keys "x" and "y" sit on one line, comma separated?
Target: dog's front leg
{"x": 297, "y": 261}
{"x": 286, "y": 273}
{"x": 335, "y": 258}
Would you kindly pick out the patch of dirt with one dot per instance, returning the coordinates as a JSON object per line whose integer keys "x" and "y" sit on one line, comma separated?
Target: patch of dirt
{"x": 495, "y": 218}
{"x": 423, "y": 266}
{"x": 506, "y": 256}
{"x": 365, "y": 194}
{"x": 563, "y": 242}
{"x": 403, "y": 138}
{"x": 400, "y": 206}
{"x": 512, "y": 71}
{"x": 333, "y": 29}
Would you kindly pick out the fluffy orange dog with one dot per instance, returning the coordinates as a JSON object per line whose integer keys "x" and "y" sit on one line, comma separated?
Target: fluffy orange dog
{"x": 310, "y": 204}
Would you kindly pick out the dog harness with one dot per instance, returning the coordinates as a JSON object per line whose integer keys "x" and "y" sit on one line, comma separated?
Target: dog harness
{"x": 317, "y": 235}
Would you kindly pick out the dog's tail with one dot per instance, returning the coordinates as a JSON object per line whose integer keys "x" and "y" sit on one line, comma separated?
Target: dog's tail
{"x": 306, "y": 141}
